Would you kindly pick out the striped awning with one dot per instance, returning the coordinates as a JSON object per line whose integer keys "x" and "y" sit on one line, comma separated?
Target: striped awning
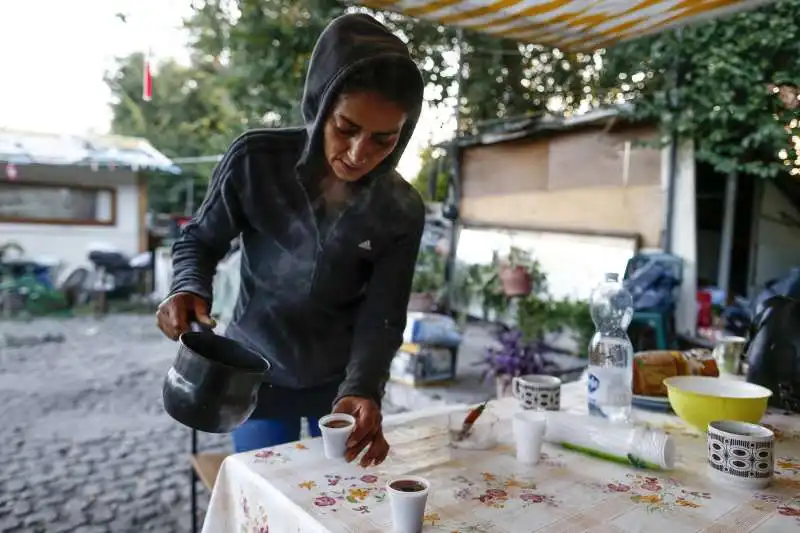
{"x": 566, "y": 24}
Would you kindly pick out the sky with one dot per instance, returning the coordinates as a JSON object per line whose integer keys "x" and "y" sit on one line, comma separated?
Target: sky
{"x": 55, "y": 53}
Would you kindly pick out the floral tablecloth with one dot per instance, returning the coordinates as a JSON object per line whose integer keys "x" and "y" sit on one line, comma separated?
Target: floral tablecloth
{"x": 293, "y": 488}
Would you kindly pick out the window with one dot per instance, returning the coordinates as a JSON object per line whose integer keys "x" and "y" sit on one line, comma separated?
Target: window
{"x": 38, "y": 203}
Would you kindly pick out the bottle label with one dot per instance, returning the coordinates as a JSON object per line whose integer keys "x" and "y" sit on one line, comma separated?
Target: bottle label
{"x": 608, "y": 387}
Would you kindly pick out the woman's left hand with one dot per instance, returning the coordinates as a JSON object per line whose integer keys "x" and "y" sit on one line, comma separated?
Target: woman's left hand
{"x": 368, "y": 430}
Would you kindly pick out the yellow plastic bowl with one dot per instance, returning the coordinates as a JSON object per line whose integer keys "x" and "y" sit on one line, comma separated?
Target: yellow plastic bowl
{"x": 699, "y": 400}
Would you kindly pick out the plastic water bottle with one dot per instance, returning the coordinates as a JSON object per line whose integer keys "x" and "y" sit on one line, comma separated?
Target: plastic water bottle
{"x": 611, "y": 352}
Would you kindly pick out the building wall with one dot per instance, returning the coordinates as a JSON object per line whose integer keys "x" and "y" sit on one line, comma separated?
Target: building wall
{"x": 69, "y": 242}
{"x": 777, "y": 245}
{"x": 587, "y": 180}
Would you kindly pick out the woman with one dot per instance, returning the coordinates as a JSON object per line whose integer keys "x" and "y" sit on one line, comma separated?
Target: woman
{"x": 329, "y": 233}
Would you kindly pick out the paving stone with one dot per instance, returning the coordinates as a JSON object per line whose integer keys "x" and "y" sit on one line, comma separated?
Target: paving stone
{"x": 102, "y": 515}
{"x": 22, "y": 508}
{"x": 41, "y": 516}
{"x": 10, "y": 523}
{"x": 14, "y": 485}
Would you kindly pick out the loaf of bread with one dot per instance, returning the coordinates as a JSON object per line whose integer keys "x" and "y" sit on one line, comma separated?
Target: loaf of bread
{"x": 650, "y": 369}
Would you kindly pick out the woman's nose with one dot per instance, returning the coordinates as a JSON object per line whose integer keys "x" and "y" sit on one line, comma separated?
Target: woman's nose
{"x": 359, "y": 151}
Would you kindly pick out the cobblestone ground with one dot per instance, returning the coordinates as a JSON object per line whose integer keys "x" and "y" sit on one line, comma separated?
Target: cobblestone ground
{"x": 85, "y": 445}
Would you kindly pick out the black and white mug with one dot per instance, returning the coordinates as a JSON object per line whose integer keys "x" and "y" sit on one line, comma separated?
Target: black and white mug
{"x": 741, "y": 454}
{"x": 536, "y": 391}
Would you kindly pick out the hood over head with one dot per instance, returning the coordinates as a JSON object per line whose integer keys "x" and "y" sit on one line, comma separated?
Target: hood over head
{"x": 349, "y": 43}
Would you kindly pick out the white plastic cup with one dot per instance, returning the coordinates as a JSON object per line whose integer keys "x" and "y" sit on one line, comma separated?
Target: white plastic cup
{"x": 529, "y": 428}
{"x": 334, "y": 439}
{"x": 408, "y": 506}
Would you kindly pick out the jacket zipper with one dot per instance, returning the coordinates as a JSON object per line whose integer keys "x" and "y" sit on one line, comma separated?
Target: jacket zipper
{"x": 320, "y": 252}
{"x": 317, "y": 238}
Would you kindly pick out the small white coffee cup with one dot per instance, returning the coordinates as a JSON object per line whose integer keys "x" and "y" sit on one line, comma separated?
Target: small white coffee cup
{"x": 741, "y": 454}
{"x": 336, "y": 429}
{"x": 408, "y": 496}
{"x": 529, "y": 429}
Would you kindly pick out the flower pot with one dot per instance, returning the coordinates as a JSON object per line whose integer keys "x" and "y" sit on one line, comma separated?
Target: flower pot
{"x": 421, "y": 302}
{"x": 503, "y": 386}
{"x": 516, "y": 280}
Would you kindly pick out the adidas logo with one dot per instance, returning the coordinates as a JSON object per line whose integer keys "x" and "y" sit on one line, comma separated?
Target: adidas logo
{"x": 366, "y": 245}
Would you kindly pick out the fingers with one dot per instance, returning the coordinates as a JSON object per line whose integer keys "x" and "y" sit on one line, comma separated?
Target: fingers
{"x": 359, "y": 445}
{"x": 377, "y": 452}
{"x": 201, "y": 312}
{"x": 363, "y": 432}
{"x": 367, "y": 431}
{"x": 173, "y": 317}
{"x": 172, "y": 321}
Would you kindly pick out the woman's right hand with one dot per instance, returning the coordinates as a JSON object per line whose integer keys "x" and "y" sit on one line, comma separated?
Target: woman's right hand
{"x": 176, "y": 313}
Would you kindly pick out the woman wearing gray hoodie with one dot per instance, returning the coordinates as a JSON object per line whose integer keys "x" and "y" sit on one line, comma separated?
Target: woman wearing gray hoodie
{"x": 329, "y": 233}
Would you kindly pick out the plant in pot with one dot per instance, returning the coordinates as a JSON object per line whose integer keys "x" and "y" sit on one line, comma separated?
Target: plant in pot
{"x": 428, "y": 281}
{"x": 519, "y": 273}
{"x": 514, "y": 356}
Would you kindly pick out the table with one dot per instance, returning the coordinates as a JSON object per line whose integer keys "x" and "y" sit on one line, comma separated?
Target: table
{"x": 293, "y": 488}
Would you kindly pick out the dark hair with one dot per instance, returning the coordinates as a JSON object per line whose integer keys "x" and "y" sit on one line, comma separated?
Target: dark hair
{"x": 397, "y": 80}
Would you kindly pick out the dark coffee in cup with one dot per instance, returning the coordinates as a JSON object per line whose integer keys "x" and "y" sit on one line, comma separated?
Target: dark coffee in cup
{"x": 336, "y": 424}
{"x": 407, "y": 485}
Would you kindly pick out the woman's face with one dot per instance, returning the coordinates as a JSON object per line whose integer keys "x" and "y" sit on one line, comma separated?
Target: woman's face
{"x": 361, "y": 130}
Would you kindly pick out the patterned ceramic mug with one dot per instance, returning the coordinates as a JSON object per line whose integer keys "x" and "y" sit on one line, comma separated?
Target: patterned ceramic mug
{"x": 537, "y": 392}
{"x": 741, "y": 454}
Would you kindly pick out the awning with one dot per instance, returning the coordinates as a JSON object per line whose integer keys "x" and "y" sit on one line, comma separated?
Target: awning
{"x": 566, "y": 24}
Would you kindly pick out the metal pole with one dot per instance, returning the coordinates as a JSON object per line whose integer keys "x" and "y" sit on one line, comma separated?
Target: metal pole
{"x": 455, "y": 177}
{"x": 189, "y": 197}
{"x": 726, "y": 244}
{"x": 673, "y": 148}
{"x": 459, "y": 80}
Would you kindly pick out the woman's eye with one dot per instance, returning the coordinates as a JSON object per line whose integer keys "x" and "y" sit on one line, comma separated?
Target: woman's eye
{"x": 349, "y": 132}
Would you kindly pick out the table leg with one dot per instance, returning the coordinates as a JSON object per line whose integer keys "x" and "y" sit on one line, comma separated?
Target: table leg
{"x": 193, "y": 480}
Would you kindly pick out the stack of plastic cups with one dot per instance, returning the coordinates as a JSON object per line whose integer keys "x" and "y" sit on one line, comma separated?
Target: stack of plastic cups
{"x": 654, "y": 447}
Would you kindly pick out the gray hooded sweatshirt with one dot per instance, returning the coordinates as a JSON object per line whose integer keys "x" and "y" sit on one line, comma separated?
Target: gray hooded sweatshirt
{"x": 323, "y": 300}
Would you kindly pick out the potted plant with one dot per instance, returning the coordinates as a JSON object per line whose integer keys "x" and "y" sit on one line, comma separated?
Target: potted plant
{"x": 514, "y": 274}
{"x": 519, "y": 274}
{"x": 428, "y": 280}
{"x": 514, "y": 356}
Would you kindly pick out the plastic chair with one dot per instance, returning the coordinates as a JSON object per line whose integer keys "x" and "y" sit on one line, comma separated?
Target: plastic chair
{"x": 659, "y": 321}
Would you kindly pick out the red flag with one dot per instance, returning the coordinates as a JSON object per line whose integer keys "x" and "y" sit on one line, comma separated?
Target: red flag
{"x": 147, "y": 82}
{"x": 11, "y": 171}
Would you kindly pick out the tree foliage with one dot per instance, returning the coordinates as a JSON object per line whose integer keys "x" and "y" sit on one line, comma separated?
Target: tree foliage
{"x": 249, "y": 59}
{"x": 190, "y": 114}
{"x": 434, "y": 167}
{"x": 727, "y": 98}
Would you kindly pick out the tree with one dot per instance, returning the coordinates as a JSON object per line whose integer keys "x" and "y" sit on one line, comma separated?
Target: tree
{"x": 191, "y": 114}
{"x": 730, "y": 75}
{"x": 249, "y": 59}
{"x": 434, "y": 165}
{"x": 262, "y": 47}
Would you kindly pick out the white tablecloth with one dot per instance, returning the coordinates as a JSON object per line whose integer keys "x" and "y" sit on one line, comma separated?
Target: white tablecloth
{"x": 293, "y": 488}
